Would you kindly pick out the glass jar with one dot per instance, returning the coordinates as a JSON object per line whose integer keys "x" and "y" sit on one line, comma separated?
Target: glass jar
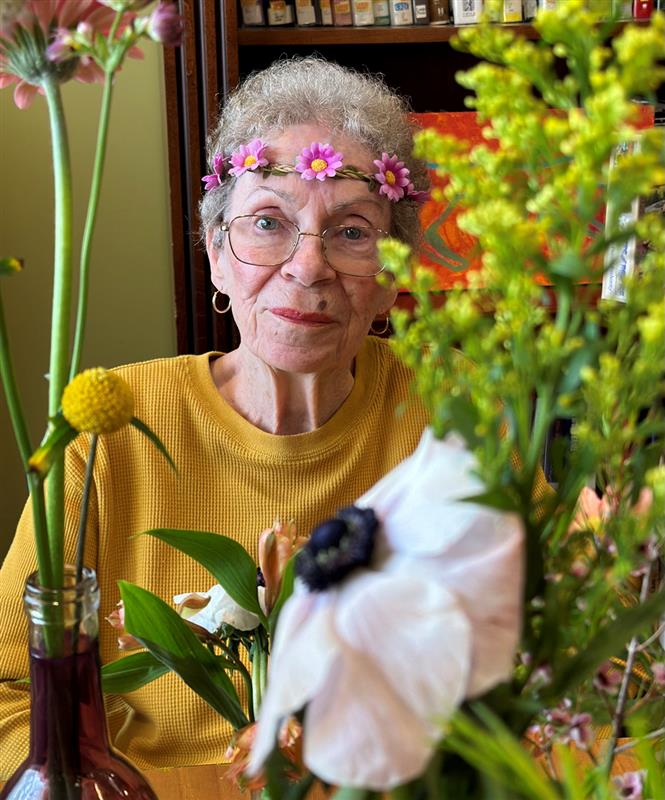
{"x": 70, "y": 755}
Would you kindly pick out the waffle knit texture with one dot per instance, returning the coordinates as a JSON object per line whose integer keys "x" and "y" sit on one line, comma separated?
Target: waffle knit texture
{"x": 232, "y": 478}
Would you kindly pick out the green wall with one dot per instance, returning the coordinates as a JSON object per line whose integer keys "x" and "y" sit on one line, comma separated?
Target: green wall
{"x": 131, "y": 302}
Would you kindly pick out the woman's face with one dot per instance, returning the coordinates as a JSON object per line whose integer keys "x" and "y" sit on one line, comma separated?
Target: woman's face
{"x": 303, "y": 316}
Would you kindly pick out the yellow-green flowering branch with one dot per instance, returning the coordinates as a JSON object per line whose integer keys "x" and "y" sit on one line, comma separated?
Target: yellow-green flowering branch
{"x": 61, "y": 312}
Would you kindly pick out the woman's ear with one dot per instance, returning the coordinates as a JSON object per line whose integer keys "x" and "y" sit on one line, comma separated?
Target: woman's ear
{"x": 215, "y": 253}
{"x": 390, "y": 295}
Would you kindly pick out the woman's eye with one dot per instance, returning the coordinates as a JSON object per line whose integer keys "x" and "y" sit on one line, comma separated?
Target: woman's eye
{"x": 353, "y": 234}
{"x": 267, "y": 223}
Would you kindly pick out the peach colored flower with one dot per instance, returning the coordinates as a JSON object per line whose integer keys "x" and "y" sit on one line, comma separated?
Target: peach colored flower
{"x": 276, "y": 546}
{"x": 117, "y": 620}
{"x": 238, "y": 754}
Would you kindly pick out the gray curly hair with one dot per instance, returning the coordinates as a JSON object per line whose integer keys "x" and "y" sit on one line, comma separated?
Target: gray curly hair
{"x": 303, "y": 90}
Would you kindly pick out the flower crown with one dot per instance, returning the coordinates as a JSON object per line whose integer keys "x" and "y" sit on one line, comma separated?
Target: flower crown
{"x": 317, "y": 162}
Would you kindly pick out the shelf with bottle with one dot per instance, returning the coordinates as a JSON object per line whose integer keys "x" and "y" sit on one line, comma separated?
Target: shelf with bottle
{"x": 257, "y": 36}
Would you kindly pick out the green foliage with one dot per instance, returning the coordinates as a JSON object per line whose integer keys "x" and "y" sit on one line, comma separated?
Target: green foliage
{"x": 224, "y": 558}
{"x": 170, "y": 641}
{"x": 533, "y": 194}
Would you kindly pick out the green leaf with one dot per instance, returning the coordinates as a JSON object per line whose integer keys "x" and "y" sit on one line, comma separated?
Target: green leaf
{"x": 146, "y": 431}
{"x": 131, "y": 672}
{"x": 60, "y": 433}
{"x": 610, "y": 641}
{"x": 171, "y": 641}
{"x": 223, "y": 557}
{"x": 285, "y": 591}
{"x": 494, "y": 498}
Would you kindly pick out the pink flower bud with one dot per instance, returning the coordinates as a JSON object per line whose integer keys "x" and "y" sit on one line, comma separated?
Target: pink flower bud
{"x": 166, "y": 25}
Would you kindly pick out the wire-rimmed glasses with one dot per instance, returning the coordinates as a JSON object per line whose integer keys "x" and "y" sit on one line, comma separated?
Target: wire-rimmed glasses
{"x": 266, "y": 241}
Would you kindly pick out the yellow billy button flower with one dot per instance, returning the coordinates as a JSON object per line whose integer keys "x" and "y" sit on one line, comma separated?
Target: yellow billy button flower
{"x": 95, "y": 401}
{"x": 10, "y": 266}
{"x": 98, "y": 401}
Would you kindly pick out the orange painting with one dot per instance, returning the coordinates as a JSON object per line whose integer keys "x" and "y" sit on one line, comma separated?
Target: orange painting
{"x": 449, "y": 251}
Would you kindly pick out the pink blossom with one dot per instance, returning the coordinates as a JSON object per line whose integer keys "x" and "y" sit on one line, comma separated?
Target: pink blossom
{"x": 53, "y": 16}
{"x": 214, "y": 180}
{"x": 630, "y": 785}
{"x": 417, "y": 196}
{"x": 658, "y": 672}
{"x": 607, "y": 678}
{"x": 393, "y": 177}
{"x": 319, "y": 161}
{"x": 166, "y": 25}
{"x": 248, "y": 157}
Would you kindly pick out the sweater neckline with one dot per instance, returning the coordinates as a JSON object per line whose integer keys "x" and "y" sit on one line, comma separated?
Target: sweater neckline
{"x": 242, "y": 433}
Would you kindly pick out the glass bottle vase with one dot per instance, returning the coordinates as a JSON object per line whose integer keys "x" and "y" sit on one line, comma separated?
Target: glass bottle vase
{"x": 70, "y": 755}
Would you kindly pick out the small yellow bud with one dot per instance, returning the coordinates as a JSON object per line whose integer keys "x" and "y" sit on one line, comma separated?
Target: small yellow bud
{"x": 97, "y": 401}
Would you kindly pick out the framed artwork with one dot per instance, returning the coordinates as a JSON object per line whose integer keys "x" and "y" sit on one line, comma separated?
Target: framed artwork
{"x": 449, "y": 251}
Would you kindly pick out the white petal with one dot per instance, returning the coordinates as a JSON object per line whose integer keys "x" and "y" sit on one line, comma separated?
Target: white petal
{"x": 485, "y": 571}
{"x": 418, "y": 502}
{"x": 303, "y": 649}
{"x": 358, "y": 732}
{"x": 416, "y": 635}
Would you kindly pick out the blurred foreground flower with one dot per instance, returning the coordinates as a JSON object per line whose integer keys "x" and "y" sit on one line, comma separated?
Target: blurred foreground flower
{"x": 347, "y": 651}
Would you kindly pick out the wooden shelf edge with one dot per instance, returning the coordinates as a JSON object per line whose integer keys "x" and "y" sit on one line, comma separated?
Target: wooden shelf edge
{"x": 407, "y": 34}
{"x": 254, "y": 37}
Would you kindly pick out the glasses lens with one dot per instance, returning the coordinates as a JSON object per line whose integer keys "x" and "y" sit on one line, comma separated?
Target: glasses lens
{"x": 352, "y": 249}
{"x": 261, "y": 240}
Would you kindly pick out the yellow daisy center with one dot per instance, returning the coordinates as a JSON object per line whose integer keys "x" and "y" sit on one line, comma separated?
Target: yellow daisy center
{"x": 390, "y": 177}
{"x": 249, "y": 161}
{"x": 97, "y": 401}
{"x": 318, "y": 164}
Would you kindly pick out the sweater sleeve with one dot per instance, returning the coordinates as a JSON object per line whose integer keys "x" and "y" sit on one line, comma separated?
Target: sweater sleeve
{"x": 19, "y": 563}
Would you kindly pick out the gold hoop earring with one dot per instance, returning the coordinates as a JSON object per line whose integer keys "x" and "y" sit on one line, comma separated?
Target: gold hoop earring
{"x": 214, "y": 304}
{"x": 380, "y": 331}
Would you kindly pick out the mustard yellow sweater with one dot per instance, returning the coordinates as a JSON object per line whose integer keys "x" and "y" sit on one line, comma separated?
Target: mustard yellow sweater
{"x": 233, "y": 479}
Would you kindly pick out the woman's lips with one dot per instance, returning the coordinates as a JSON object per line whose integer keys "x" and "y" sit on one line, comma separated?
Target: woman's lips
{"x": 301, "y": 317}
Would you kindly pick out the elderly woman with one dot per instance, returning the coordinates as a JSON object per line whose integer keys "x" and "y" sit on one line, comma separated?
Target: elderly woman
{"x": 298, "y": 421}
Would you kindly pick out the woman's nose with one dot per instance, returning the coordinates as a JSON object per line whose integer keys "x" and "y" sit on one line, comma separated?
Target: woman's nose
{"x": 308, "y": 264}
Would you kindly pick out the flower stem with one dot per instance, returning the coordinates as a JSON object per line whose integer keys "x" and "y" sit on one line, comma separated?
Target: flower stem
{"x": 620, "y": 710}
{"x": 85, "y": 502}
{"x": 61, "y": 312}
{"x": 88, "y": 231}
{"x": 259, "y": 671}
{"x": 35, "y": 483}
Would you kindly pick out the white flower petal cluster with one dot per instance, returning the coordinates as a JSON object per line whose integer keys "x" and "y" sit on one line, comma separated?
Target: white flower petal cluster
{"x": 220, "y": 609}
{"x": 383, "y": 658}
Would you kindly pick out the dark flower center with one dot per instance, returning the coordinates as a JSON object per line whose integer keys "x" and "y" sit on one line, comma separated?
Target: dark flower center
{"x": 337, "y": 547}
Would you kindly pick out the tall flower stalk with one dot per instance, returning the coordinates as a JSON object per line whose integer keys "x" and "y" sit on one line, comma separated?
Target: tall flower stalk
{"x": 44, "y": 43}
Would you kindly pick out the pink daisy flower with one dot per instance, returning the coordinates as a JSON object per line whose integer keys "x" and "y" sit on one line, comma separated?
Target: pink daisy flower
{"x": 393, "y": 177}
{"x": 319, "y": 161}
{"x": 417, "y": 196}
{"x": 214, "y": 180}
{"x": 248, "y": 157}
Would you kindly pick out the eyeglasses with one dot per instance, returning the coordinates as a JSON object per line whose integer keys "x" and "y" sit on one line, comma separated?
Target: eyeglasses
{"x": 265, "y": 241}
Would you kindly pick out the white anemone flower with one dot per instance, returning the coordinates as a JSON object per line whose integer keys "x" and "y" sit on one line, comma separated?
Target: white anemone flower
{"x": 214, "y": 608}
{"x": 381, "y": 658}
